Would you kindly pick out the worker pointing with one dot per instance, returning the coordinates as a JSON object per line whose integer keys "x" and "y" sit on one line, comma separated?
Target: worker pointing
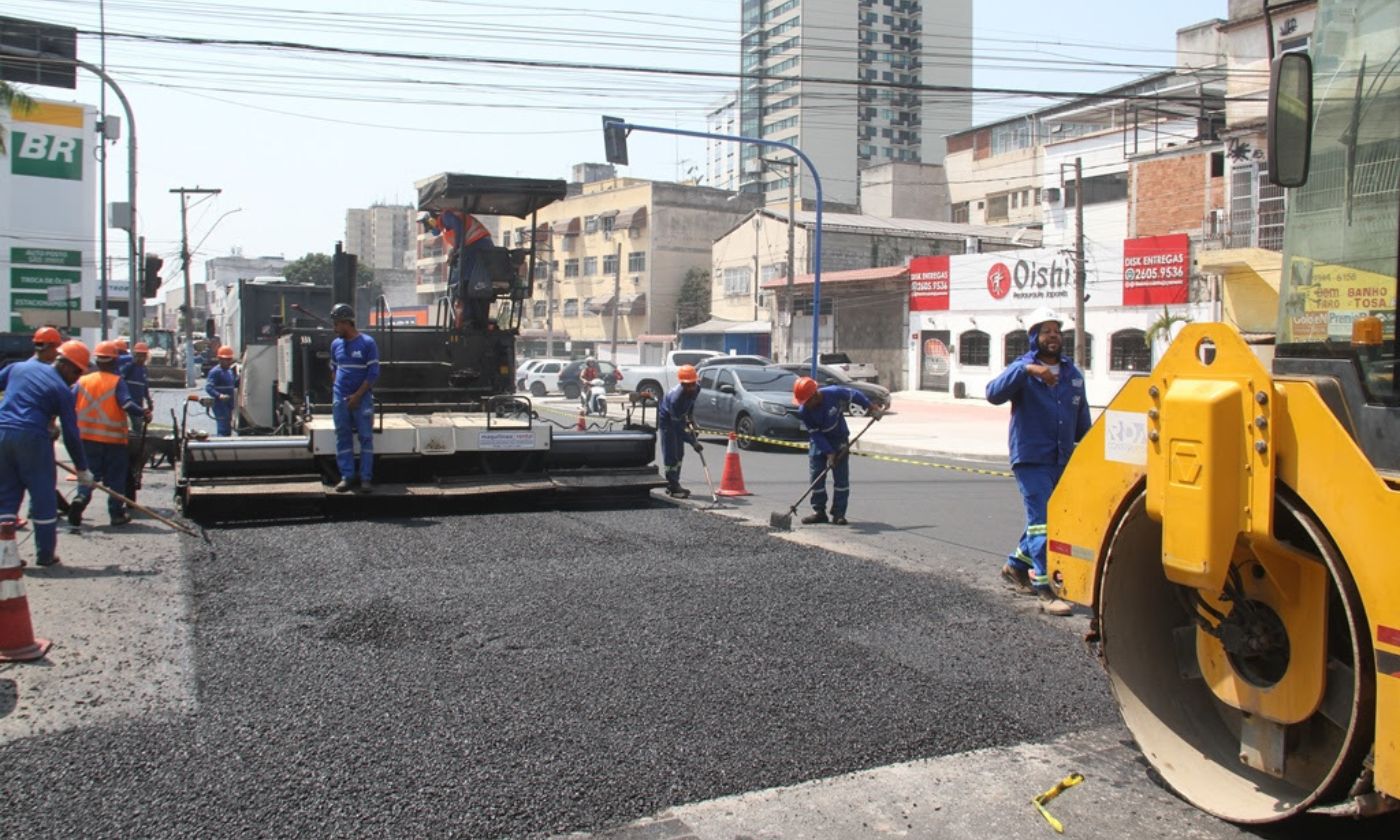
{"x": 35, "y": 394}
{"x": 674, "y": 425}
{"x": 222, "y": 385}
{"x": 103, "y": 404}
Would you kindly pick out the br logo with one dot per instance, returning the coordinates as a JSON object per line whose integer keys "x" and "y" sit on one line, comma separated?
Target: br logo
{"x": 999, "y": 280}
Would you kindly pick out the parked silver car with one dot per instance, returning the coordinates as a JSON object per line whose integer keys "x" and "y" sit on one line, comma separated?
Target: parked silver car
{"x": 753, "y": 401}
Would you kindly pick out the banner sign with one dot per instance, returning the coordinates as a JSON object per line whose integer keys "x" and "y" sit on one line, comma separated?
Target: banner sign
{"x": 929, "y": 284}
{"x": 1157, "y": 270}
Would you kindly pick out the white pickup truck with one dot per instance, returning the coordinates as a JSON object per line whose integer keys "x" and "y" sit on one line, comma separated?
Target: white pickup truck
{"x": 856, "y": 370}
{"x": 658, "y": 379}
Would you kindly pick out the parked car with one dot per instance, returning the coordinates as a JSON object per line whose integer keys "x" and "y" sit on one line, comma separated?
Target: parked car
{"x": 569, "y": 382}
{"x": 656, "y": 380}
{"x": 856, "y": 370}
{"x": 542, "y": 378}
{"x": 757, "y": 361}
{"x": 751, "y": 400}
{"x": 525, "y": 368}
{"x": 828, "y": 375}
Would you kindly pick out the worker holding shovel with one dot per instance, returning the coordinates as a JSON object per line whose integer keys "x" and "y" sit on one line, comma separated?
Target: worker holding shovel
{"x": 675, "y": 428}
{"x": 822, "y": 411}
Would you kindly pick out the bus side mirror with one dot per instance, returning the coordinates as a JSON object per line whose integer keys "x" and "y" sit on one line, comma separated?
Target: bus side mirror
{"x": 1290, "y": 119}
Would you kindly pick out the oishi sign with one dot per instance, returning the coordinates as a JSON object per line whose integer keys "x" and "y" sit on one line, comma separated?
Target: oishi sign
{"x": 1156, "y": 270}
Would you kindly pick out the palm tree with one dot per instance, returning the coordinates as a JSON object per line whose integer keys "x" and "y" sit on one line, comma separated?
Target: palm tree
{"x": 13, "y": 100}
{"x": 1162, "y": 327}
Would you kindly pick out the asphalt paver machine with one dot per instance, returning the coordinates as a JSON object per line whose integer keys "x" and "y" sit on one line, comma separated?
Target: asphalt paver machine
{"x": 447, "y": 423}
{"x": 1230, "y": 523}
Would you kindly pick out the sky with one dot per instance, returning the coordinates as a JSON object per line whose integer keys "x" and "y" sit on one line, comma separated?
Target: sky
{"x": 293, "y": 136}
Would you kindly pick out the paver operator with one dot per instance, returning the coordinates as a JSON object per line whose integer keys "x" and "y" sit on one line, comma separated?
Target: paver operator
{"x": 1049, "y": 416}
{"x": 823, "y": 412}
{"x": 355, "y": 358}
{"x": 676, "y": 428}
{"x": 102, "y": 403}
{"x": 35, "y": 394}
{"x": 222, "y": 385}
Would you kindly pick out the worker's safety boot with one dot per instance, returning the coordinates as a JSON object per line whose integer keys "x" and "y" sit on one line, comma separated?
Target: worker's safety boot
{"x": 676, "y": 491}
{"x": 1052, "y": 604}
{"x": 75, "y": 511}
{"x": 817, "y": 518}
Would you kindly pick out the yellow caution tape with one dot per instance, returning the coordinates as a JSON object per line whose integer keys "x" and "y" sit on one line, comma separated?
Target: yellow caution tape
{"x": 1043, "y": 799}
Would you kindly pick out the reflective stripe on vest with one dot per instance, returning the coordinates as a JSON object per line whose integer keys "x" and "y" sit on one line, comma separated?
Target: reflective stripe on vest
{"x": 100, "y": 419}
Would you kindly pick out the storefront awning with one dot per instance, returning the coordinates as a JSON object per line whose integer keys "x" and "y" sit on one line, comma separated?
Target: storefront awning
{"x": 724, "y": 326}
{"x": 572, "y": 227}
{"x": 631, "y": 217}
{"x": 631, "y": 305}
{"x": 596, "y": 305}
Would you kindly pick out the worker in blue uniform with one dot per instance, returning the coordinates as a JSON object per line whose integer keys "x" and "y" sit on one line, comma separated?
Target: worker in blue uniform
{"x": 35, "y": 394}
{"x": 138, "y": 385}
{"x": 676, "y": 428}
{"x": 355, "y": 358}
{"x": 823, "y": 412}
{"x": 222, "y": 386}
{"x": 1049, "y": 416}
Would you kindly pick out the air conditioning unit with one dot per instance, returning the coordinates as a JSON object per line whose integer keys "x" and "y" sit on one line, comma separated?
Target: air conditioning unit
{"x": 1051, "y": 195}
{"x": 1215, "y": 223}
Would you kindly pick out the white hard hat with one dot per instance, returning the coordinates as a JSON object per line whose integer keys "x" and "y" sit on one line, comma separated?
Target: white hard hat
{"x": 1042, "y": 315}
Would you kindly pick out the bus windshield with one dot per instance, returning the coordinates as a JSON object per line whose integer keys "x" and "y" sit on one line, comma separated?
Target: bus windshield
{"x": 1341, "y": 236}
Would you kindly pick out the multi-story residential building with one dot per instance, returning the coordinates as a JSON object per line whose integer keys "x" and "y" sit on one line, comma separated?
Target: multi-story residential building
{"x": 841, "y": 80}
{"x": 380, "y": 235}
{"x": 722, "y": 156}
{"x": 616, "y": 252}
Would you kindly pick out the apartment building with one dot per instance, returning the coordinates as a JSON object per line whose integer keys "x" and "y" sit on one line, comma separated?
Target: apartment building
{"x": 722, "y": 157}
{"x": 840, "y": 79}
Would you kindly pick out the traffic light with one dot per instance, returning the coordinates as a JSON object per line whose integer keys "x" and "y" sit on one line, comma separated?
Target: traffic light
{"x": 615, "y": 140}
{"x": 150, "y": 275}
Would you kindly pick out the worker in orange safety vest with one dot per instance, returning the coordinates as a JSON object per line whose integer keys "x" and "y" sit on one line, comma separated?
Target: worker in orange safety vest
{"x": 103, "y": 404}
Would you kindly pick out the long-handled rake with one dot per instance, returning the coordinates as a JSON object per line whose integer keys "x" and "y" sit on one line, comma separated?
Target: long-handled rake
{"x": 783, "y": 521}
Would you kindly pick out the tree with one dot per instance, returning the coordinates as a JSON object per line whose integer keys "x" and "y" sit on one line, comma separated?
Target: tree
{"x": 1162, "y": 327}
{"x": 316, "y": 269}
{"x": 693, "y": 305}
{"x": 14, "y": 100}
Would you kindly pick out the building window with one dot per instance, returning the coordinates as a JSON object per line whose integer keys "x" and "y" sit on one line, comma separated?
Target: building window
{"x": 1128, "y": 350}
{"x": 571, "y": 308}
{"x": 1067, "y": 347}
{"x": 540, "y": 308}
{"x": 609, "y": 264}
{"x": 637, "y": 261}
{"x": 590, "y": 224}
{"x": 1015, "y": 345}
{"x": 1099, "y": 189}
{"x": 974, "y": 349}
{"x": 571, "y": 267}
{"x": 543, "y": 268}
{"x": 607, "y": 223}
{"x": 590, "y": 266}
{"x": 736, "y": 281}
{"x": 997, "y": 208}
{"x": 960, "y": 212}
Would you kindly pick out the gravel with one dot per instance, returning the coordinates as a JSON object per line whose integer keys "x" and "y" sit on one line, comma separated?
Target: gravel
{"x": 529, "y": 674}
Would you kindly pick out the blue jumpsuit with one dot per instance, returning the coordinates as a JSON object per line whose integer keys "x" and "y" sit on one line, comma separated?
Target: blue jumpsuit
{"x": 1046, "y": 424}
{"x": 828, "y": 431}
{"x": 672, "y": 421}
{"x": 356, "y": 361}
{"x": 35, "y": 393}
{"x": 222, "y": 381}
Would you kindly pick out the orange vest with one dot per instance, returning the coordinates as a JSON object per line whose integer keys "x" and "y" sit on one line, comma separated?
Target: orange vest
{"x": 100, "y": 419}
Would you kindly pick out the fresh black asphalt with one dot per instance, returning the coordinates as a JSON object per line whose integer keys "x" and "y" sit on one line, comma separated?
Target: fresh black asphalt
{"x": 528, "y": 674}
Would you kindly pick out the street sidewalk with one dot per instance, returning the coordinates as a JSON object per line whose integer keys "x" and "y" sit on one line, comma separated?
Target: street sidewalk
{"x": 926, "y": 424}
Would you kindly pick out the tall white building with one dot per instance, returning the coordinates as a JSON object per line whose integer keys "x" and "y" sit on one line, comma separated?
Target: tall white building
{"x": 843, "y": 80}
{"x": 382, "y": 235}
{"x": 722, "y": 156}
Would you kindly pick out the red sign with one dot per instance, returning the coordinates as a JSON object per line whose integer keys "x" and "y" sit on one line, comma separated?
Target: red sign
{"x": 928, "y": 284}
{"x": 1156, "y": 269}
{"x": 999, "y": 280}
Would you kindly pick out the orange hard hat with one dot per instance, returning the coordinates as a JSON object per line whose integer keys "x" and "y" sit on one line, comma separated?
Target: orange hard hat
{"x": 686, "y": 374}
{"x": 803, "y": 389}
{"x": 225, "y": 352}
{"x": 106, "y": 351}
{"x": 122, "y": 345}
{"x": 141, "y": 347}
{"x": 47, "y": 335}
{"x": 76, "y": 353}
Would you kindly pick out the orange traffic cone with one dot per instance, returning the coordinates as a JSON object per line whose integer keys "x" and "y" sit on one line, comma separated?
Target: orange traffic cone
{"x": 17, "y": 642}
{"x": 582, "y": 422}
{"x": 731, "y": 483}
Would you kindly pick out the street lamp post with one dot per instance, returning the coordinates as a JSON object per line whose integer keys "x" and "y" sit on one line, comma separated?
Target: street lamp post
{"x": 614, "y": 135}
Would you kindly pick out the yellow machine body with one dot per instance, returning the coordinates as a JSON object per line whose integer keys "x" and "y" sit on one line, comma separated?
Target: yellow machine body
{"x": 1213, "y": 444}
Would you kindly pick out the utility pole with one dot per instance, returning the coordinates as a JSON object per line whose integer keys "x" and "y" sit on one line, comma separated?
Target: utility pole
{"x": 1081, "y": 334}
{"x": 188, "y": 308}
{"x": 757, "y": 222}
{"x": 617, "y": 299}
